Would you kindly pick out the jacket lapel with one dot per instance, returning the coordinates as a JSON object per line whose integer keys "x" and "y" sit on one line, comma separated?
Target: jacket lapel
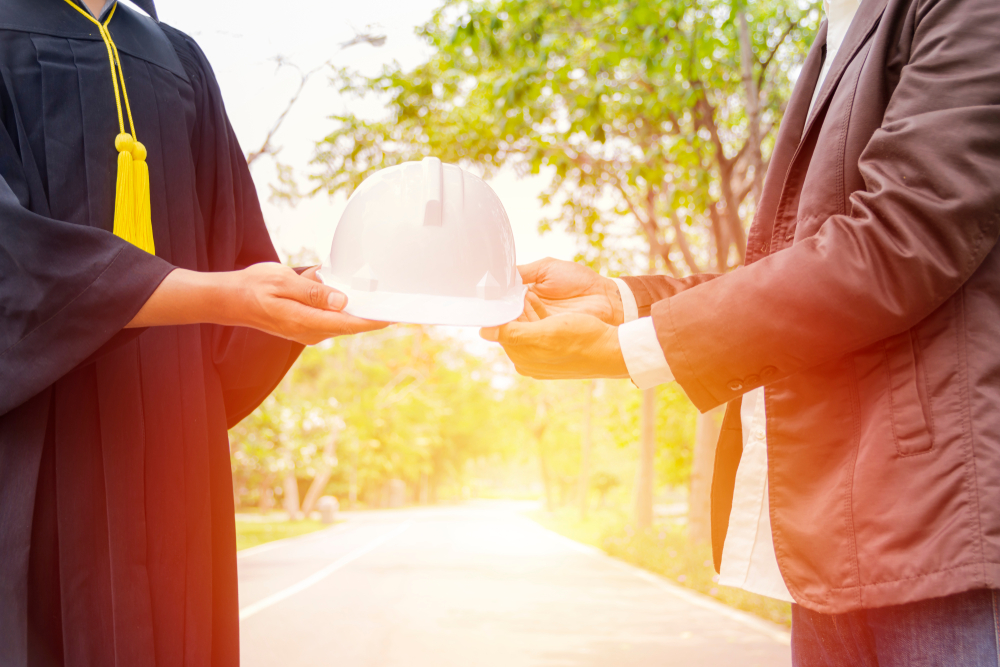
{"x": 798, "y": 122}
{"x": 785, "y": 146}
{"x": 867, "y": 16}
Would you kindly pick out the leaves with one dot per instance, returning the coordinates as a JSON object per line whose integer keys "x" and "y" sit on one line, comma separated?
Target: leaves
{"x": 634, "y": 109}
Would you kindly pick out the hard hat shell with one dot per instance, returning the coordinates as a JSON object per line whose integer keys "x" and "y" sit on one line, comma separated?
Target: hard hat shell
{"x": 427, "y": 243}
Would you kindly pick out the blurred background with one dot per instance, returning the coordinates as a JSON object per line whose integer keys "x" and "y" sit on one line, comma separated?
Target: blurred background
{"x": 631, "y": 135}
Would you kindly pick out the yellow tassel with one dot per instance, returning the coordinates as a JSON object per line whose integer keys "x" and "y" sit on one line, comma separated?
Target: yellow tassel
{"x": 143, "y": 216}
{"x": 125, "y": 226}
{"x": 133, "y": 220}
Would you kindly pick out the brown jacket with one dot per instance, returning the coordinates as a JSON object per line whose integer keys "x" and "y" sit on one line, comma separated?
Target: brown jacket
{"x": 869, "y": 310}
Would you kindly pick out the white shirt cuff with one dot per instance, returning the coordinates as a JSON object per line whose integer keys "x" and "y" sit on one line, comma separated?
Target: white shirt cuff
{"x": 631, "y": 310}
{"x": 647, "y": 366}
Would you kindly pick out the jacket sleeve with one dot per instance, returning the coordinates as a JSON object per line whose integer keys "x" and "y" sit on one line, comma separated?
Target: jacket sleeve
{"x": 250, "y": 363}
{"x": 650, "y": 289}
{"x": 929, "y": 215}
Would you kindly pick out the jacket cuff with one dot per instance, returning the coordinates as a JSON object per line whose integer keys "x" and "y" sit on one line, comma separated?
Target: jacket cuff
{"x": 676, "y": 357}
{"x": 642, "y": 296}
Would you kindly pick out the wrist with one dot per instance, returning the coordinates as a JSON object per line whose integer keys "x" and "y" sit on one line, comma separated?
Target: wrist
{"x": 617, "y": 367}
{"x": 211, "y": 297}
{"x": 225, "y": 295}
{"x": 614, "y": 301}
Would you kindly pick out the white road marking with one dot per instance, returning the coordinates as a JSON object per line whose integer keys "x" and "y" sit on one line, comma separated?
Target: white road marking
{"x": 268, "y": 546}
{"x": 760, "y": 625}
{"x": 319, "y": 576}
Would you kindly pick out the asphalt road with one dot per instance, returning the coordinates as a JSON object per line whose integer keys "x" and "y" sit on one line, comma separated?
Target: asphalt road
{"x": 477, "y": 585}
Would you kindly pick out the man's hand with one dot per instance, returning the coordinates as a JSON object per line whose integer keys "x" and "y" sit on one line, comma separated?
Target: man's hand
{"x": 568, "y": 287}
{"x": 568, "y": 346}
{"x": 267, "y": 296}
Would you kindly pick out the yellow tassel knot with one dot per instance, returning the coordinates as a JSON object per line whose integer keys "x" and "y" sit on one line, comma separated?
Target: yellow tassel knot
{"x": 125, "y": 226}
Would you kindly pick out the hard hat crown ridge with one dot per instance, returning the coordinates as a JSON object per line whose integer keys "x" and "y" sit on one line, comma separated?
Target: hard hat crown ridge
{"x": 429, "y": 243}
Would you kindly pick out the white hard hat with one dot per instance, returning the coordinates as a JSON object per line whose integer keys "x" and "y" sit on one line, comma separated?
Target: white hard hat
{"x": 427, "y": 243}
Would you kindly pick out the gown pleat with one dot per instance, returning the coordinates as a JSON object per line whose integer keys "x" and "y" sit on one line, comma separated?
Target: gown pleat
{"x": 117, "y": 540}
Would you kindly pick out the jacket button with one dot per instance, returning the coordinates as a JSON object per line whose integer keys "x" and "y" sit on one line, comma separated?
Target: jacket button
{"x": 790, "y": 236}
{"x": 763, "y": 247}
{"x": 752, "y": 380}
{"x": 768, "y": 372}
{"x": 735, "y": 385}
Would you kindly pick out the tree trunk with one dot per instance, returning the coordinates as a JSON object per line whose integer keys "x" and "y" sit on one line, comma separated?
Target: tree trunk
{"x": 700, "y": 498}
{"x": 647, "y": 458}
{"x": 290, "y": 497}
{"x": 646, "y": 473}
{"x": 586, "y": 443}
{"x": 322, "y": 476}
{"x": 265, "y": 502}
{"x": 352, "y": 481}
{"x": 425, "y": 491}
{"x": 752, "y": 101}
{"x": 543, "y": 462}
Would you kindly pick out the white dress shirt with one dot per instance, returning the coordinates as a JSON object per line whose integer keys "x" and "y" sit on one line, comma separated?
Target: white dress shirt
{"x": 748, "y": 559}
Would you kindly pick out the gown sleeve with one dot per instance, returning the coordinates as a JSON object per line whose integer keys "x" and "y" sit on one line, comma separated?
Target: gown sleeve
{"x": 65, "y": 289}
{"x": 249, "y": 362}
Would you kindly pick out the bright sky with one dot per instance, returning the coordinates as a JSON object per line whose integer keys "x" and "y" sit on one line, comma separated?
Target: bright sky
{"x": 242, "y": 39}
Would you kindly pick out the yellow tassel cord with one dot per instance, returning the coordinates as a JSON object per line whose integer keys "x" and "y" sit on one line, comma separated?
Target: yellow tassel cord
{"x": 133, "y": 220}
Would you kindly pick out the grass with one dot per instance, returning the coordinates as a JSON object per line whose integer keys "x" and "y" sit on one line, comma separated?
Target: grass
{"x": 665, "y": 550}
{"x": 250, "y": 533}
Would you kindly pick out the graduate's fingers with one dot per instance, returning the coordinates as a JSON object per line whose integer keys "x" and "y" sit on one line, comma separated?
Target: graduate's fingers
{"x": 311, "y": 273}
{"x": 310, "y": 292}
{"x": 312, "y": 325}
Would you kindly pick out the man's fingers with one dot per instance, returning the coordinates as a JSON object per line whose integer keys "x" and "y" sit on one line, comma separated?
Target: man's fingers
{"x": 505, "y": 335}
{"x": 537, "y": 305}
{"x": 314, "y": 294}
{"x": 529, "y": 314}
{"x": 531, "y": 273}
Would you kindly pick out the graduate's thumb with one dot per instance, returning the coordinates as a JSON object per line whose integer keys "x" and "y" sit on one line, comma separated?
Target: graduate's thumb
{"x": 491, "y": 334}
{"x": 315, "y": 294}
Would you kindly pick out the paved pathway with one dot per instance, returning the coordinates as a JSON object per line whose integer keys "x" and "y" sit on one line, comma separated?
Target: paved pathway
{"x": 480, "y": 586}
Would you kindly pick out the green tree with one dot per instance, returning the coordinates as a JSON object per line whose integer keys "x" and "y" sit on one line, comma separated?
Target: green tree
{"x": 653, "y": 120}
{"x": 404, "y": 404}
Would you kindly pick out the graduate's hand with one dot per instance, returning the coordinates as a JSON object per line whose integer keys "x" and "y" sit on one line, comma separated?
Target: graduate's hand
{"x": 568, "y": 346}
{"x": 567, "y": 287}
{"x": 275, "y": 299}
{"x": 266, "y": 296}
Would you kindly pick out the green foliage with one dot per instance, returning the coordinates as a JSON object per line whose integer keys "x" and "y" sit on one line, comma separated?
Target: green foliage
{"x": 251, "y": 533}
{"x": 412, "y": 403}
{"x": 636, "y": 109}
{"x": 405, "y": 403}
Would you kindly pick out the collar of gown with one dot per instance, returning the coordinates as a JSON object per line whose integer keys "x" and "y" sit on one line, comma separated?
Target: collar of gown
{"x": 134, "y": 33}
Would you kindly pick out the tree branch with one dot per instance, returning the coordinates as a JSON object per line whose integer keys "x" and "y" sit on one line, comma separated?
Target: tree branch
{"x": 682, "y": 243}
{"x": 266, "y": 148}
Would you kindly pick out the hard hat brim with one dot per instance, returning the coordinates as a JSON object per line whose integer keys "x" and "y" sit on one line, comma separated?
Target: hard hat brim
{"x": 428, "y": 309}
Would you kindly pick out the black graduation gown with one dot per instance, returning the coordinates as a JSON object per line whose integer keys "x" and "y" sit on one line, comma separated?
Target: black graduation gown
{"x": 117, "y": 542}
